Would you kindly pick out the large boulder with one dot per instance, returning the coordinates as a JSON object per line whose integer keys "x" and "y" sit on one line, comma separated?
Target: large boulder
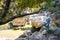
{"x": 36, "y": 20}
{"x": 37, "y": 24}
{"x": 19, "y": 21}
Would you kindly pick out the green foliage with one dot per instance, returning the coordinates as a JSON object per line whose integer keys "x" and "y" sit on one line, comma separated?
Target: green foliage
{"x": 0, "y": 11}
{"x": 19, "y": 5}
{"x": 49, "y": 5}
{"x": 1, "y": 19}
{"x": 27, "y": 3}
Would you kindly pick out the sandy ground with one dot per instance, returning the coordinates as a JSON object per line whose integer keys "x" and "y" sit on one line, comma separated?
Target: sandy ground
{"x": 10, "y": 34}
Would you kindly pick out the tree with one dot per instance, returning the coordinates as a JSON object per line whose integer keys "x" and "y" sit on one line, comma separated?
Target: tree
{"x": 17, "y": 6}
{"x": 5, "y": 9}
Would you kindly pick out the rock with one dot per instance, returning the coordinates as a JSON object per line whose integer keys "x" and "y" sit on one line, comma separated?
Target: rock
{"x": 28, "y": 32}
{"x": 39, "y": 35}
{"x": 53, "y": 38}
{"x": 43, "y": 35}
{"x": 35, "y": 36}
{"x": 21, "y": 21}
{"x": 56, "y": 18}
{"x": 21, "y": 39}
{"x": 37, "y": 24}
{"x": 36, "y": 20}
{"x": 57, "y": 31}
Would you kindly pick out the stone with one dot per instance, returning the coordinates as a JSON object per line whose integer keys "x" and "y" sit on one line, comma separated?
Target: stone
{"x": 57, "y": 31}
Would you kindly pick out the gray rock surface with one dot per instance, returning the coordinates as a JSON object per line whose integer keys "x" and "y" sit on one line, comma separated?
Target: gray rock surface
{"x": 44, "y": 35}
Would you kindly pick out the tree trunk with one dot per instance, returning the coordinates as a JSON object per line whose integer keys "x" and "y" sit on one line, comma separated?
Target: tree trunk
{"x": 6, "y": 8}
